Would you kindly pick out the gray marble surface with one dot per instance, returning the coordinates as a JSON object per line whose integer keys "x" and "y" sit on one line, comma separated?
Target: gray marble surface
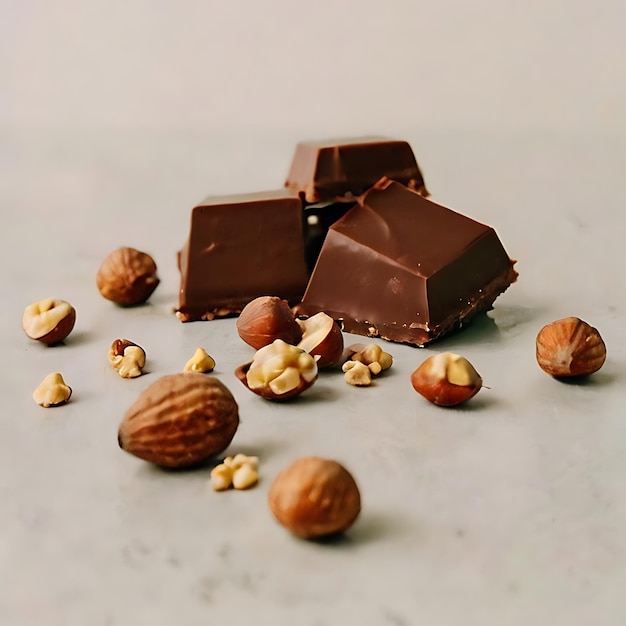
{"x": 506, "y": 512}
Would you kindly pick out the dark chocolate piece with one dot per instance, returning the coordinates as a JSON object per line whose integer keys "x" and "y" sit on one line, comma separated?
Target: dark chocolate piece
{"x": 338, "y": 170}
{"x": 400, "y": 267}
{"x": 241, "y": 247}
{"x": 318, "y": 218}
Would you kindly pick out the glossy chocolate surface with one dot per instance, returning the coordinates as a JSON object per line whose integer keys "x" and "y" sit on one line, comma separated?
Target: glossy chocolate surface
{"x": 401, "y": 267}
{"x": 338, "y": 170}
{"x": 241, "y": 247}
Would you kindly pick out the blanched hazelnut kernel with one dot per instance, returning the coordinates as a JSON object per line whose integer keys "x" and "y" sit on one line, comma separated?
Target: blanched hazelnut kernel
{"x": 357, "y": 374}
{"x": 49, "y": 321}
{"x": 52, "y": 391}
{"x": 221, "y": 477}
{"x": 200, "y": 362}
{"x": 245, "y": 477}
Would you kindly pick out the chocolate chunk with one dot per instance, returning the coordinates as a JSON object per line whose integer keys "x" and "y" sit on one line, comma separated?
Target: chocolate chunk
{"x": 241, "y": 247}
{"x": 400, "y": 267}
{"x": 338, "y": 170}
{"x": 318, "y": 218}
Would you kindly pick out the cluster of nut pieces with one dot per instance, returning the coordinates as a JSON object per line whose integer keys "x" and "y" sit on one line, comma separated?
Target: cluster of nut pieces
{"x": 129, "y": 359}
{"x": 267, "y": 318}
{"x": 365, "y": 361}
{"x": 183, "y": 420}
{"x": 290, "y": 351}
{"x": 50, "y": 321}
{"x": 278, "y": 371}
{"x": 239, "y": 471}
{"x": 126, "y": 276}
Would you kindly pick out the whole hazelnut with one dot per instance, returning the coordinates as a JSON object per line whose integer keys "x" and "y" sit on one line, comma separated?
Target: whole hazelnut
{"x": 49, "y": 321}
{"x": 181, "y": 420}
{"x": 569, "y": 347}
{"x": 446, "y": 379}
{"x": 265, "y": 319}
{"x": 127, "y": 276}
{"x": 315, "y": 497}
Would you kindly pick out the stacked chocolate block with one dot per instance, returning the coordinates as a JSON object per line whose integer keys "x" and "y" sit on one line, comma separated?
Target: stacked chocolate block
{"x": 352, "y": 234}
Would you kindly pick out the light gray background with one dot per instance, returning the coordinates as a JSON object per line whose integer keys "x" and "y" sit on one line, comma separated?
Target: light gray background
{"x": 117, "y": 117}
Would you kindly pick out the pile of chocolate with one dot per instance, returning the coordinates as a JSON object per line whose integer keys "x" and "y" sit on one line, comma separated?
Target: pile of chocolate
{"x": 352, "y": 234}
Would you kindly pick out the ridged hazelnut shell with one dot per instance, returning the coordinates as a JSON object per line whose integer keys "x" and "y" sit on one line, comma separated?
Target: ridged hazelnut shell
{"x": 570, "y": 347}
{"x": 181, "y": 420}
{"x": 265, "y": 319}
{"x": 127, "y": 277}
{"x": 315, "y": 497}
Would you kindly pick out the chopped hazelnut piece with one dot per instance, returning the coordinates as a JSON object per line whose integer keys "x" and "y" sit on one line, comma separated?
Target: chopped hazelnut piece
{"x": 357, "y": 374}
{"x": 221, "y": 477}
{"x": 200, "y": 362}
{"x": 239, "y": 472}
{"x": 52, "y": 391}
{"x": 127, "y": 358}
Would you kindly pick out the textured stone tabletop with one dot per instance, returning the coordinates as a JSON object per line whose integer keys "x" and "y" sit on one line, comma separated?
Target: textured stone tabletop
{"x": 508, "y": 511}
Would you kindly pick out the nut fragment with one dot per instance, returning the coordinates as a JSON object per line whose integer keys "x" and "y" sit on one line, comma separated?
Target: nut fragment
{"x": 315, "y": 497}
{"x": 266, "y": 319}
{"x": 279, "y": 371}
{"x": 179, "y": 421}
{"x": 357, "y": 374}
{"x": 221, "y": 477}
{"x": 52, "y": 391}
{"x": 127, "y": 276}
{"x": 374, "y": 357}
{"x": 200, "y": 362}
{"x": 245, "y": 477}
{"x": 446, "y": 379}
{"x": 127, "y": 358}
{"x": 570, "y": 347}
{"x": 237, "y": 461}
{"x": 239, "y": 472}
{"x": 321, "y": 337}
{"x": 50, "y": 320}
